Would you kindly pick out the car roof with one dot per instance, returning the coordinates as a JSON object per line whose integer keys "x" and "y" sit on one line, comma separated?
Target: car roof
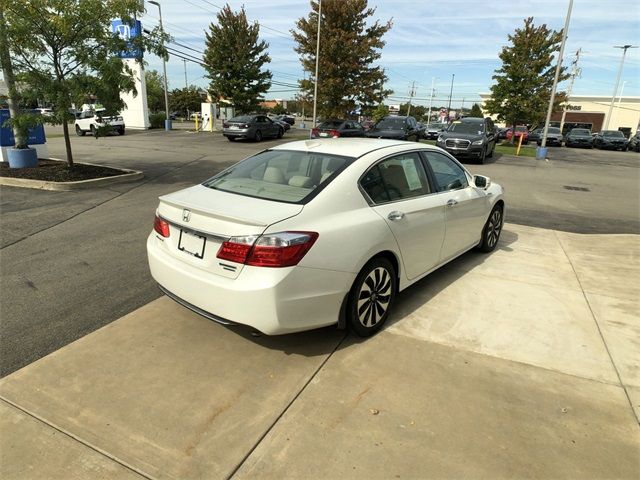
{"x": 350, "y": 147}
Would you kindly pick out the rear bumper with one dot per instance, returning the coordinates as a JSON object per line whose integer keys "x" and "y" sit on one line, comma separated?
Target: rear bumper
{"x": 245, "y": 133}
{"x": 271, "y": 300}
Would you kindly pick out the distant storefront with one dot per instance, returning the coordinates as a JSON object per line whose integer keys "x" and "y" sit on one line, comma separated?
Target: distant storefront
{"x": 591, "y": 112}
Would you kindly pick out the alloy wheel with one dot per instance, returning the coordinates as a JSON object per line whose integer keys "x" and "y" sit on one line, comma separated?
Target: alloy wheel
{"x": 494, "y": 227}
{"x": 374, "y": 296}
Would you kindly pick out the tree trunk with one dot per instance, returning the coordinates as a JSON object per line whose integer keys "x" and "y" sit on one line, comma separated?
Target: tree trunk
{"x": 67, "y": 143}
{"x": 7, "y": 69}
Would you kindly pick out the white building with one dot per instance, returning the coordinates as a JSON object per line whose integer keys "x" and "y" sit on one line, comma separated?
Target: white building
{"x": 591, "y": 112}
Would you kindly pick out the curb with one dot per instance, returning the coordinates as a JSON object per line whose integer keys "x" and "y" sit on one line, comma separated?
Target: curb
{"x": 130, "y": 176}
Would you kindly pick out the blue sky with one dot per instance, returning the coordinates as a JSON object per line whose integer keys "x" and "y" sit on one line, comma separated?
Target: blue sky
{"x": 428, "y": 39}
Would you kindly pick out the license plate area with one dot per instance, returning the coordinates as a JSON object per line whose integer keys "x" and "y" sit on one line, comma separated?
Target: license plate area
{"x": 192, "y": 243}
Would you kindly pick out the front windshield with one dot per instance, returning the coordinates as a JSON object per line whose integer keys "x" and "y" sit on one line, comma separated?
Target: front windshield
{"x": 580, "y": 131}
{"x": 553, "y": 130}
{"x": 280, "y": 175}
{"x": 612, "y": 133}
{"x": 467, "y": 127}
{"x": 521, "y": 129}
{"x": 390, "y": 123}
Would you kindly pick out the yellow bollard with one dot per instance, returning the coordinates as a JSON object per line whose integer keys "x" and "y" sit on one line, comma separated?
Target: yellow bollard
{"x": 211, "y": 124}
{"x": 519, "y": 145}
{"x": 196, "y": 123}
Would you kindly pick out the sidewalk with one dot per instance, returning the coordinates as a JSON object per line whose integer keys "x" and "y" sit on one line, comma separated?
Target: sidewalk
{"x": 521, "y": 364}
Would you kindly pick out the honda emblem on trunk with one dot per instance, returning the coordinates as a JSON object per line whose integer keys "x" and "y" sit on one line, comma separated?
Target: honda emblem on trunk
{"x": 186, "y": 215}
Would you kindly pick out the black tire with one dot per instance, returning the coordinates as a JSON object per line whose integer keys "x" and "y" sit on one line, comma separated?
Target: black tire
{"x": 258, "y": 136}
{"x": 231, "y": 139}
{"x": 280, "y": 133}
{"x": 482, "y": 157}
{"x": 79, "y": 131}
{"x": 491, "y": 231}
{"x": 371, "y": 297}
{"x": 121, "y": 131}
{"x": 490, "y": 154}
{"x": 94, "y": 131}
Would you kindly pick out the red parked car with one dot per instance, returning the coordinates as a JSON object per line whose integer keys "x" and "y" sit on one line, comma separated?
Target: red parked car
{"x": 521, "y": 130}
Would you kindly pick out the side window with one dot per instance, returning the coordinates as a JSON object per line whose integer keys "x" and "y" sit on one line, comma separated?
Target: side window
{"x": 448, "y": 174}
{"x": 396, "y": 178}
{"x": 348, "y": 125}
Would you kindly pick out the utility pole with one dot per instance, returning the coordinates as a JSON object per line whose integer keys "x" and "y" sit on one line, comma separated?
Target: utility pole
{"x": 615, "y": 91}
{"x": 453, "y": 76}
{"x": 575, "y": 72}
{"x": 167, "y": 122}
{"x": 412, "y": 92}
{"x": 186, "y": 85}
{"x": 315, "y": 87}
{"x": 543, "y": 143}
{"x": 433, "y": 91}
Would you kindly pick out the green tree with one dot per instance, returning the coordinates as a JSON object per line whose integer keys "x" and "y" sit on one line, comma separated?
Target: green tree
{"x": 234, "y": 58}
{"x": 155, "y": 91}
{"x": 476, "y": 111}
{"x": 186, "y": 100}
{"x": 523, "y": 83}
{"x": 380, "y": 112}
{"x": 278, "y": 109}
{"x": 349, "y": 48}
{"x": 64, "y": 50}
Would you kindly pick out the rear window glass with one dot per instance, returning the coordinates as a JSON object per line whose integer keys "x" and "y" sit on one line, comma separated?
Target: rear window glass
{"x": 521, "y": 129}
{"x": 280, "y": 175}
{"x": 331, "y": 124}
{"x": 390, "y": 123}
{"x": 242, "y": 118}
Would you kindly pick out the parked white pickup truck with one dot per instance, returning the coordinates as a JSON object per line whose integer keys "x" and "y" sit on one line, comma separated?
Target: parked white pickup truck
{"x": 92, "y": 120}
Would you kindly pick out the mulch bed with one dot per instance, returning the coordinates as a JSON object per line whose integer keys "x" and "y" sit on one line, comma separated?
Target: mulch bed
{"x": 55, "y": 171}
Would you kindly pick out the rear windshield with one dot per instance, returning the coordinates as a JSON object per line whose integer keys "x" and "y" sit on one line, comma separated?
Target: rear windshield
{"x": 280, "y": 175}
{"x": 580, "y": 131}
{"x": 331, "y": 124}
{"x": 467, "y": 127}
{"x": 242, "y": 119}
{"x": 612, "y": 133}
{"x": 521, "y": 129}
{"x": 390, "y": 123}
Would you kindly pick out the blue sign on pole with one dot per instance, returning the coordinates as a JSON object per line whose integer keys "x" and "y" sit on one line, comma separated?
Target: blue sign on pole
{"x": 36, "y": 134}
{"x": 127, "y": 31}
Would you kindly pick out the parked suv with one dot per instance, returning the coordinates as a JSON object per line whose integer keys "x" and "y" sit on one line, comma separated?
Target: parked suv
{"x": 396, "y": 128}
{"x": 634, "y": 142}
{"x": 610, "y": 139}
{"x": 469, "y": 137}
{"x": 338, "y": 128}
{"x": 92, "y": 120}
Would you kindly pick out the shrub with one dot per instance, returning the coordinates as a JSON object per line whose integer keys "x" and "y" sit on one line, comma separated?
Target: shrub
{"x": 156, "y": 120}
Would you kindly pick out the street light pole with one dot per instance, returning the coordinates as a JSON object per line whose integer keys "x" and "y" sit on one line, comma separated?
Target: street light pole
{"x": 315, "y": 87}
{"x": 552, "y": 98}
{"x": 615, "y": 91}
{"x": 453, "y": 75}
{"x": 433, "y": 81}
{"x": 167, "y": 122}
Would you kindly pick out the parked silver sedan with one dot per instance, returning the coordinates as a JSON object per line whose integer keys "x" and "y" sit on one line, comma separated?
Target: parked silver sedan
{"x": 254, "y": 127}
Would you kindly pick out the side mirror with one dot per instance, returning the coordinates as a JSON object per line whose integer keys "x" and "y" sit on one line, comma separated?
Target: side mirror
{"x": 480, "y": 181}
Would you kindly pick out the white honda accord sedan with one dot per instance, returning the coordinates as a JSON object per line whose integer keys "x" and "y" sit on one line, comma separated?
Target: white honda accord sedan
{"x": 313, "y": 233}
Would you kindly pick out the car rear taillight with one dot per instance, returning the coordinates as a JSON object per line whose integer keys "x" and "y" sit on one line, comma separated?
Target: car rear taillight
{"x": 284, "y": 249}
{"x": 161, "y": 226}
{"x": 334, "y": 133}
{"x": 314, "y": 132}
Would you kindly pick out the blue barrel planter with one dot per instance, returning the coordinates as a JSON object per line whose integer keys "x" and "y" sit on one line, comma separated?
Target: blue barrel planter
{"x": 541, "y": 153}
{"x": 22, "y": 157}
{"x": 167, "y": 124}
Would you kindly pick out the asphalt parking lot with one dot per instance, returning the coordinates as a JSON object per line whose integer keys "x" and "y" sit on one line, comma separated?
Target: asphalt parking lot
{"x": 557, "y": 398}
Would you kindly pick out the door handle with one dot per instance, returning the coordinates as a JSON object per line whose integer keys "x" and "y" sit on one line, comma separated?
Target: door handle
{"x": 395, "y": 215}
{"x": 451, "y": 202}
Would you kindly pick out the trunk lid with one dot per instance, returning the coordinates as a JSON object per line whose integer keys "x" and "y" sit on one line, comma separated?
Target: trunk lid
{"x": 201, "y": 218}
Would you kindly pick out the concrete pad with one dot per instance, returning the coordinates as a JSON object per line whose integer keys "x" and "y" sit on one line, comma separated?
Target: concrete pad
{"x": 169, "y": 392}
{"x": 521, "y": 259}
{"x": 605, "y": 264}
{"x": 619, "y": 321}
{"x": 530, "y": 238}
{"x": 395, "y": 407}
{"x": 32, "y": 449}
{"x": 546, "y": 326}
{"x": 634, "y": 396}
